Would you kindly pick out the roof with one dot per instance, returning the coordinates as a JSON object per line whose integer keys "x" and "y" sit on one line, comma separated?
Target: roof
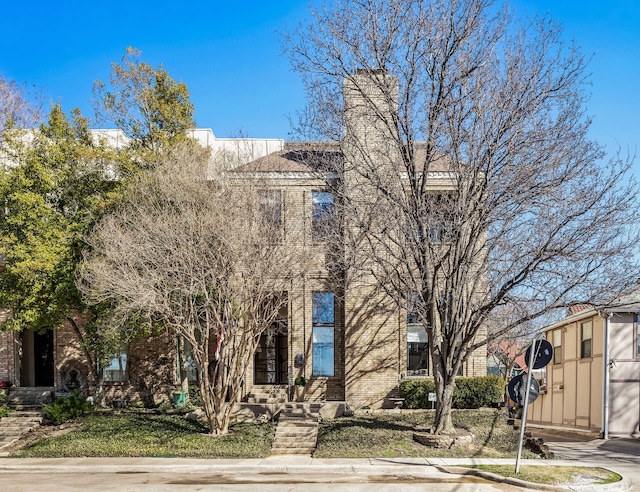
{"x": 626, "y": 303}
{"x": 307, "y": 158}
{"x": 313, "y": 157}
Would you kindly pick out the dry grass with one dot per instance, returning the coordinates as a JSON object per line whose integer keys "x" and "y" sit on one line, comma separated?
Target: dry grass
{"x": 391, "y": 435}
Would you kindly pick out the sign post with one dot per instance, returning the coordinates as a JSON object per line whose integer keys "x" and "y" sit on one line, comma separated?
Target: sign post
{"x": 431, "y": 397}
{"x": 539, "y": 354}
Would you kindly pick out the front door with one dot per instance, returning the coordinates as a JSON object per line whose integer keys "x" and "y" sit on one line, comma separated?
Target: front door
{"x": 271, "y": 358}
{"x": 37, "y": 359}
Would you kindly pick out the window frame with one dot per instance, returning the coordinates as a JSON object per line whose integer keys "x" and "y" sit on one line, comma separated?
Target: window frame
{"x": 420, "y": 349}
{"x": 586, "y": 344}
{"x": 326, "y": 326}
{"x": 323, "y": 213}
{"x": 557, "y": 348}
{"x": 270, "y": 203}
{"x": 122, "y": 361}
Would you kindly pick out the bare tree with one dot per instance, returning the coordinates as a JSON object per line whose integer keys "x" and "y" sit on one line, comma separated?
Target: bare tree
{"x": 470, "y": 183}
{"x": 18, "y": 108}
{"x": 194, "y": 255}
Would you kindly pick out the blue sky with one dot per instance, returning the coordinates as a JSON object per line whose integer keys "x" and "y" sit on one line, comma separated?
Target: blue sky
{"x": 229, "y": 55}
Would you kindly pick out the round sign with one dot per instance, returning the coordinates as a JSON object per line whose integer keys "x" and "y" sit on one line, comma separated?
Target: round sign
{"x": 543, "y": 354}
{"x": 518, "y": 386}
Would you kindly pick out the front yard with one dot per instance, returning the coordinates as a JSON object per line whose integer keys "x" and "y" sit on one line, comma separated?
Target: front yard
{"x": 145, "y": 433}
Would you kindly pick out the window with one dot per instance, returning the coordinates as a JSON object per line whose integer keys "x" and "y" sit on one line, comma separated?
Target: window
{"x": 323, "y": 333}
{"x": 417, "y": 341}
{"x": 323, "y": 212}
{"x": 586, "y": 329}
{"x": 440, "y": 218}
{"x": 116, "y": 371}
{"x": 271, "y": 207}
{"x": 189, "y": 364}
{"x": 556, "y": 336}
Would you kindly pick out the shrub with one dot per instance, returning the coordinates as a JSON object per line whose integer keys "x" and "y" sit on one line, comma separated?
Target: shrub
{"x": 66, "y": 408}
{"x": 475, "y": 392}
{"x": 478, "y": 392}
{"x": 4, "y": 409}
{"x": 195, "y": 398}
{"x": 416, "y": 391}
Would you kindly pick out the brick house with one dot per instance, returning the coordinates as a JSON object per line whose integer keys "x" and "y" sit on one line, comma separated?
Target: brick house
{"x": 350, "y": 342}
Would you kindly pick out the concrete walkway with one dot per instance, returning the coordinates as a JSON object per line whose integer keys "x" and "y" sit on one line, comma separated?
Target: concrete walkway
{"x": 273, "y": 473}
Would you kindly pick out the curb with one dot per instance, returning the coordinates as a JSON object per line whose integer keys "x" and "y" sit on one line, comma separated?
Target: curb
{"x": 622, "y": 485}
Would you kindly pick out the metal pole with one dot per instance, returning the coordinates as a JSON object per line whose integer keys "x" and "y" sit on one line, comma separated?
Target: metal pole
{"x": 523, "y": 421}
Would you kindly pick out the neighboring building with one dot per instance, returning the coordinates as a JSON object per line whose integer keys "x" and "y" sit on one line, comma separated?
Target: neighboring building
{"x": 593, "y": 381}
{"x": 349, "y": 344}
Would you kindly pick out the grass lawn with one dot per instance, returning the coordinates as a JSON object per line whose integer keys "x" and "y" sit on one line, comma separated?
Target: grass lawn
{"x": 554, "y": 475}
{"x": 391, "y": 435}
{"x": 144, "y": 433}
{"x": 138, "y": 433}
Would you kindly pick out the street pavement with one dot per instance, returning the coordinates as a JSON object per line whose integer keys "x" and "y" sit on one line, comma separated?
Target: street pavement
{"x": 290, "y": 473}
{"x": 301, "y": 473}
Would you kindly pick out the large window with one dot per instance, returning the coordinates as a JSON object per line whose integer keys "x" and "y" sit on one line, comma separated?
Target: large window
{"x": 556, "y": 336}
{"x": 440, "y": 218}
{"x": 323, "y": 333}
{"x": 417, "y": 341}
{"x": 323, "y": 215}
{"x": 116, "y": 370}
{"x": 271, "y": 207}
{"x": 586, "y": 332}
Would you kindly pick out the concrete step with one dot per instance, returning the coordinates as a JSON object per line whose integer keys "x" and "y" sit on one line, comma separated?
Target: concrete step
{"x": 266, "y": 400}
{"x": 286, "y": 451}
{"x": 17, "y": 424}
{"x": 24, "y": 396}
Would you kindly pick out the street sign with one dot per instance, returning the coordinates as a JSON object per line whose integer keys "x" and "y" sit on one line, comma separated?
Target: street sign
{"x": 431, "y": 397}
{"x": 543, "y": 353}
{"x": 518, "y": 386}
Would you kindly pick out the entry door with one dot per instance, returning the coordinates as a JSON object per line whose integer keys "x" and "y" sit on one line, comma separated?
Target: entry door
{"x": 43, "y": 358}
{"x": 271, "y": 358}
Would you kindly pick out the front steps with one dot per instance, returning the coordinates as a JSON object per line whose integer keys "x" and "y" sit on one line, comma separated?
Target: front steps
{"x": 263, "y": 402}
{"x": 17, "y": 424}
{"x": 27, "y": 403}
{"x": 297, "y": 430}
{"x": 29, "y": 397}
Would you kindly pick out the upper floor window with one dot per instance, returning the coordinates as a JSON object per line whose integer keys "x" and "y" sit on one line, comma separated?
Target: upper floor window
{"x": 586, "y": 330}
{"x": 323, "y": 213}
{"x": 271, "y": 207}
{"x": 323, "y": 319}
{"x": 556, "y": 336}
{"x": 440, "y": 218}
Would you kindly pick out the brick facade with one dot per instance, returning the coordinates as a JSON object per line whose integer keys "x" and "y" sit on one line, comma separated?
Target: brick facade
{"x": 369, "y": 330}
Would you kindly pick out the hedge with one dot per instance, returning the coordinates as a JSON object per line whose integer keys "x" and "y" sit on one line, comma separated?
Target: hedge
{"x": 484, "y": 391}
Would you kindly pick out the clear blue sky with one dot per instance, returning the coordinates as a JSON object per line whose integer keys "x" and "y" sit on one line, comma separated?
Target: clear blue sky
{"x": 229, "y": 55}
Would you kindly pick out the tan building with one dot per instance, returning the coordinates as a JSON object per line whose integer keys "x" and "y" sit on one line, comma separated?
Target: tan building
{"x": 593, "y": 381}
{"x": 350, "y": 342}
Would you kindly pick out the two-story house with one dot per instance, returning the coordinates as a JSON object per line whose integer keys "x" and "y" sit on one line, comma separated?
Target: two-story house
{"x": 593, "y": 381}
{"x": 350, "y": 341}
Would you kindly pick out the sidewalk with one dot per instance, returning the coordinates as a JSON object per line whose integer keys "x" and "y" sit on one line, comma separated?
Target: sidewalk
{"x": 288, "y": 469}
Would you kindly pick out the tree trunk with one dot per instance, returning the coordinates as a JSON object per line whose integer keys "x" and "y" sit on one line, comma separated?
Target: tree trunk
{"x": 184, "y": 380}
{"x": 445, "y": 385}
{"x": 93, "y": 364}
